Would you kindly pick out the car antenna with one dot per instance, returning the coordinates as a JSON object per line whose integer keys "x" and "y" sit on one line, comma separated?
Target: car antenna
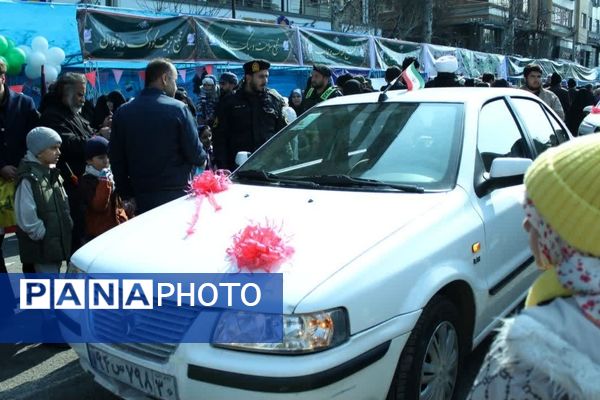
{"x": 383, "y": 96}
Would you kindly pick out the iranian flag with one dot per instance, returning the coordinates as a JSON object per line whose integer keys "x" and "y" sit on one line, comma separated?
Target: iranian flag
{"x": 412, "y": 78}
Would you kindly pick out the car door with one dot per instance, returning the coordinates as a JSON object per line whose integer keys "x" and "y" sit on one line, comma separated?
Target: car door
{"x": 540, "y": 125}
{"x": 506, "y": 260}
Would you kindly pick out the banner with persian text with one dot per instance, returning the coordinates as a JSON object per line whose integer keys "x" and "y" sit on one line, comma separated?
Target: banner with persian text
{"x": 229, "y": 40}
{"x": 106, "y": 35}
{"x": 334, "y": 48}
{"x": 392, "y": 52}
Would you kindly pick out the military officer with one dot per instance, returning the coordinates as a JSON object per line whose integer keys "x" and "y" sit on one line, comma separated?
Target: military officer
{"x": 247, "y": 118}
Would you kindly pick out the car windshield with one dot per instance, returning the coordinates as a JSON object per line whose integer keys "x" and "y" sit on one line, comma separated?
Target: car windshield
{"x": 374, "y": 146}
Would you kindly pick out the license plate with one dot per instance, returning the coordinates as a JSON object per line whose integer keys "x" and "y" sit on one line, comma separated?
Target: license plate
{"x": 144, "y": 379}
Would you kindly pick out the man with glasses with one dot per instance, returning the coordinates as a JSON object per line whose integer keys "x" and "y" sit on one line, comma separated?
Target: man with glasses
{"x": 227, "y": 83}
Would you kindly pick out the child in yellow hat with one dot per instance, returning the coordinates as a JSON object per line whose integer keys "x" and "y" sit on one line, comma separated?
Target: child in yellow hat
{"x": 551, "y": 351}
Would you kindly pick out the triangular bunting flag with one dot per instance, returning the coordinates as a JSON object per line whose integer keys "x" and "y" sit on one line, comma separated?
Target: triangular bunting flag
{"x": 16, "y": 88}
{"x": 182, "y": 73}
{"x": 142, "y": 75}
{"x": 91, "y": 77}
{"x": 208, "y": 69}
{"x": 118, "y": 73}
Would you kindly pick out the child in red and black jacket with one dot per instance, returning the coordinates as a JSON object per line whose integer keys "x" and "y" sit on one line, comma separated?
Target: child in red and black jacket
{"x": 103, "y": 208}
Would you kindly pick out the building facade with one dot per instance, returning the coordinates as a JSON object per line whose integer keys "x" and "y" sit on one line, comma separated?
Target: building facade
{"x": 556, "y": 29}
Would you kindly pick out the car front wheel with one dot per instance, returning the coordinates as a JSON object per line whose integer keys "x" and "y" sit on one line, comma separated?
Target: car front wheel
{"x": 430, "y": 361}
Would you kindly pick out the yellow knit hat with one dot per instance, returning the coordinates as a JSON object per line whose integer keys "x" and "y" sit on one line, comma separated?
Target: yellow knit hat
{"x": 564, "y": 185}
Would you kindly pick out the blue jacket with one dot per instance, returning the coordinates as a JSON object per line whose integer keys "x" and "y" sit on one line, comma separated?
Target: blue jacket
{"x": 18, "y": 116}
{"x": 154, "y": 145}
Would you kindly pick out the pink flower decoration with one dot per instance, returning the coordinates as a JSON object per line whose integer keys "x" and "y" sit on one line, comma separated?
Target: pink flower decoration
{"x": 206, "y": 185}
{"x": 259, "y": 247}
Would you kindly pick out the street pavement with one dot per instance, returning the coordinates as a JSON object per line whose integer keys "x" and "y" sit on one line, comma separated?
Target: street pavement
{"x": 41, "y": 372}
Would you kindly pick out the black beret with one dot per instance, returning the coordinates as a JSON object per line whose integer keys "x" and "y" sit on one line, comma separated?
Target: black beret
{"x": 253, "y": 66}
{"x": 322, "y": 69}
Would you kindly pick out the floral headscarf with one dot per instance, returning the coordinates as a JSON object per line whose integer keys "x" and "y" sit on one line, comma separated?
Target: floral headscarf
{"x": 577, "y": 271}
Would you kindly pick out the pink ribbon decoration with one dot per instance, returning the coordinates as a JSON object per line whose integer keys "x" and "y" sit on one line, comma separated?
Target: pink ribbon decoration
{"x": 206, "y": 185}
{"x": 595, "y": 110}
{"x": 259, "y": 247}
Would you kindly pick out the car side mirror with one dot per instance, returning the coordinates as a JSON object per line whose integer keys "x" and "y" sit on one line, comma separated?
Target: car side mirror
{"x": 587, "y": 109}
{"x": 505, "y": 167}
{"x": 241, "y": 157}
{"x": 504, "y": 172}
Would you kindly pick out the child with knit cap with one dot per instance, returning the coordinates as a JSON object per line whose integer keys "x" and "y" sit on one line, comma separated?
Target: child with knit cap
{"x": 41, "y": 207}
{"x": 550, "y": 350}
{"x": 103, "y": 208}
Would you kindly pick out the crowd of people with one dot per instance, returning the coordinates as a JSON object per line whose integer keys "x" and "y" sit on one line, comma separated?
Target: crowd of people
{"x": 150, "y": 168}
{"x": 69, "y": 191}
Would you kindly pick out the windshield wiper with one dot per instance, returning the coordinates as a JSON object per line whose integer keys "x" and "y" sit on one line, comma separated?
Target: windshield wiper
{"x": 264, "y": 176}
{"x": 349, "y": 181}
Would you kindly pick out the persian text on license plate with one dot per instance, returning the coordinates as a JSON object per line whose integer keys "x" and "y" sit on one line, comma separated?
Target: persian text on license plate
{"x": 142, "y": 378}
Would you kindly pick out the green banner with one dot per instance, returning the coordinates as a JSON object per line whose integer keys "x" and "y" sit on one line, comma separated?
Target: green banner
{"x": 335, "y": 49}
{"x": 475, "y": 63}
{"x": 392, "y": 52}
{"x": 116, "y": 36}
{"x": 229, "y": 40}
{"x": 565, "y": 69}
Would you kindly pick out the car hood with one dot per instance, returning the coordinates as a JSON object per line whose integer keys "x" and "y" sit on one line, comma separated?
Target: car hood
{"x": 327, "y": 229}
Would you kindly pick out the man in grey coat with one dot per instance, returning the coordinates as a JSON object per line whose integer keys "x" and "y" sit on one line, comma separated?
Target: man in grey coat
{"x": 533, "y": 84}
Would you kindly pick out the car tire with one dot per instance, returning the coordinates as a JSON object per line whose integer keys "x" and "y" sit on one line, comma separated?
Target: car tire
{"x": 436, "y": 343}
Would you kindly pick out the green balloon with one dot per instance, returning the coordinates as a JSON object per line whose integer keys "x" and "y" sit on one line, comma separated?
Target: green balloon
{"x": 4, "y": 61}
{"x": 15, "y": 56}
{"x": 14, "y": 69}
{"x": 3, "y": 45}
{"x": 11, "y": 43}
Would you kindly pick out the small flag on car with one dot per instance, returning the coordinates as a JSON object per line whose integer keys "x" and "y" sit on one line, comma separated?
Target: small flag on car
{"x": 412, "y": 78}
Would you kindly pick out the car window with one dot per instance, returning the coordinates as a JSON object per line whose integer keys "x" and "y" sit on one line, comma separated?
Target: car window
{"x": 498, "y": 134}
{"x": 534, "y": 117}
{"x": 559, "y": 130}
{"x": 404, "y": 143}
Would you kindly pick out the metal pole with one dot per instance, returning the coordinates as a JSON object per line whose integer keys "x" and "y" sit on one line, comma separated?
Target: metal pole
{"x": 233, "y": 9}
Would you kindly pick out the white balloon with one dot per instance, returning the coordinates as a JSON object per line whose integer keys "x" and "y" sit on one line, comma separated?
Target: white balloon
{"x": 39, "y": 43}
{"x": 33, "y": 72}
{"x": 26, "y": 49}
{"x": 36, "y": 59}
{"x": 58, "y": 68}
{"x": 51, "y": 73}
{"x": 55, "y": 56}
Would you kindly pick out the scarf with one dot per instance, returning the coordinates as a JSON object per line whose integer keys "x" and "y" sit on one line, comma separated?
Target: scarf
{"x": 577, "y": 271}
{"x": 106, "y": 173}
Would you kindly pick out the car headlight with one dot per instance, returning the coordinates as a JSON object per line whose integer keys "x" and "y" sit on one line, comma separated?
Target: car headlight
{"x": 302, "y": 333}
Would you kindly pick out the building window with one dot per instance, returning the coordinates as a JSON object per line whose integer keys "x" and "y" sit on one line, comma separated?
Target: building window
{"x": 562, "y": 16}
{"x": 597, "y": 25}
{"x": 583, "y": 20}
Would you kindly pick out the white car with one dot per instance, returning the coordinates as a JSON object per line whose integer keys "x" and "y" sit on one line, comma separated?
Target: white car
{"x": 591, "y": 122}
{"x": 405, "y": 215}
